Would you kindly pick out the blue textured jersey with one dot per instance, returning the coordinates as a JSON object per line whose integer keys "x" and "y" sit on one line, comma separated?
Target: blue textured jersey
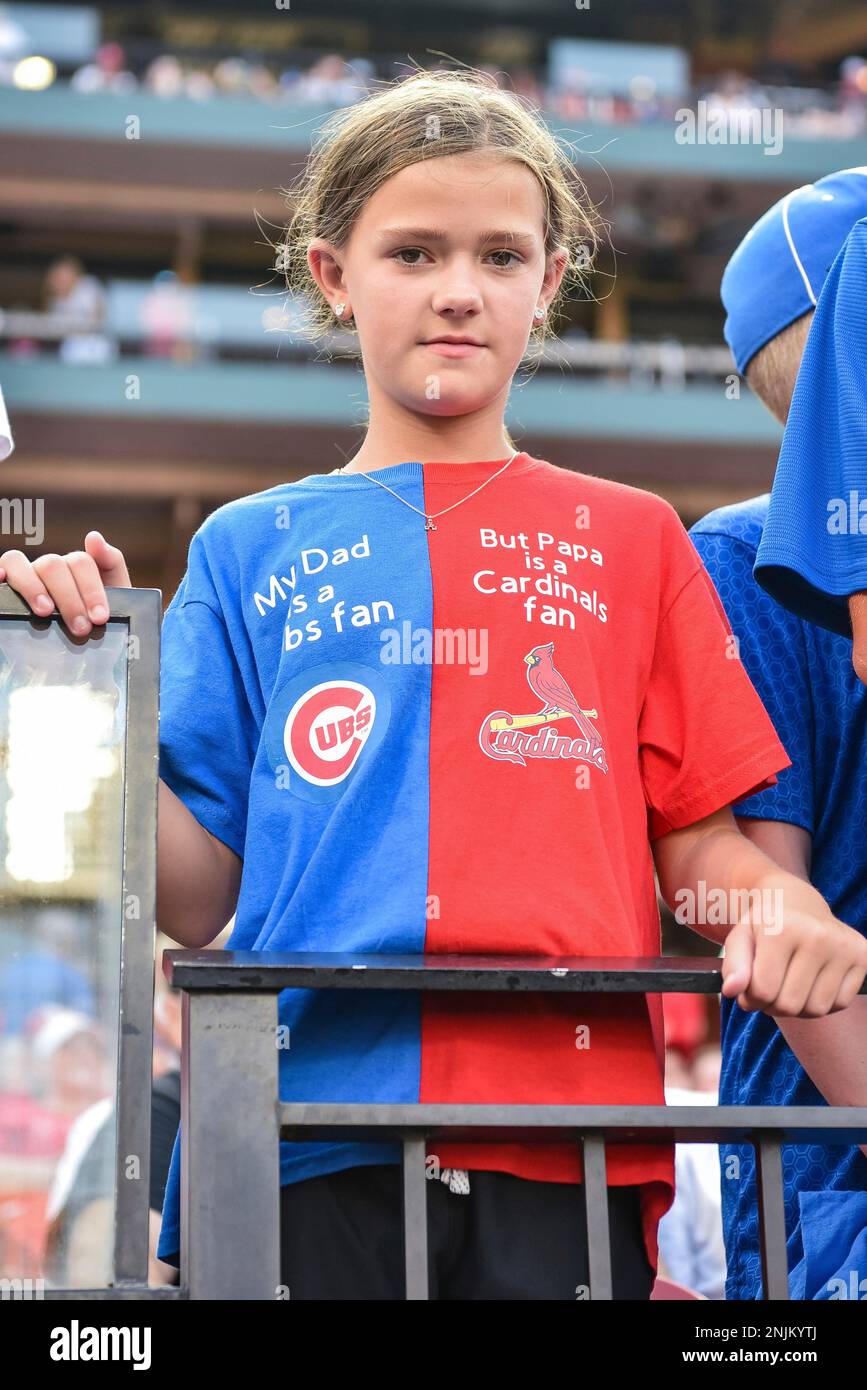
{"x": 819, "y": 708}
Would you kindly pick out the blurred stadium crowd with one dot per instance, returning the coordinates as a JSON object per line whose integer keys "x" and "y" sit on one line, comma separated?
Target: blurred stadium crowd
{"x": 838, "y": 111}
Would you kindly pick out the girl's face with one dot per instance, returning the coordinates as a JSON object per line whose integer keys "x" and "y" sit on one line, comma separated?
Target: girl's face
{"x": 449, "y": 246}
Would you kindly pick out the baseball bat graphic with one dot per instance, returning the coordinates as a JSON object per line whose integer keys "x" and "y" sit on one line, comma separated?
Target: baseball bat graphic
{"x": 529, "y": 721}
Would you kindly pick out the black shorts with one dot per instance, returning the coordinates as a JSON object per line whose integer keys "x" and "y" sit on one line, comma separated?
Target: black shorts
{"x": 341, "y": 1237}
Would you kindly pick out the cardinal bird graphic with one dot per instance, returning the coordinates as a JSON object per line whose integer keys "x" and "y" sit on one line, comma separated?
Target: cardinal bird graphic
{"x": 549, "y": 686}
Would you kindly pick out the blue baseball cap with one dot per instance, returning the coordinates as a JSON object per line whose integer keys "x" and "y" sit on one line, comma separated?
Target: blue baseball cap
{"x": 778, "y": 270}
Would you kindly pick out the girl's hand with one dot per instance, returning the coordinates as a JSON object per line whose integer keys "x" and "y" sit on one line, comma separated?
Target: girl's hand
{"x": 74, "y": 583}
{"x": 801, "y": 963}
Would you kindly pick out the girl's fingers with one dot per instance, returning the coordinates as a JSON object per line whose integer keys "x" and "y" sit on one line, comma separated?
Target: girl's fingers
{"x": 108, "y": 559}
{"x": 763, "y": 969}
{"x": 59, "y": 580}
{"x": 787, "y": 989}
{"x": 86, "y": 573}
{"x": 850, "y": 987}
{"x": 737, "y": 959}
{"x": 74, "y": 584}
{"x": 19, "y": 574}
{"x": 809, "y": 995}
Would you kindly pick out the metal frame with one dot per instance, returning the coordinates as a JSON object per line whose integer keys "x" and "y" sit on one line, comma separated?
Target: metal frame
{"x": 140, "y": 611}
{"x": 229, "y": 1234}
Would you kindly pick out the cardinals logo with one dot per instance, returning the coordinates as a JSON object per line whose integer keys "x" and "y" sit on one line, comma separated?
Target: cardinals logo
{"x": 502, "y": 734}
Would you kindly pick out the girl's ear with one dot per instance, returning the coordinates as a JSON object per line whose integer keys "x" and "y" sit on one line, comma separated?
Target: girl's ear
{"x": 554, "y": 270}
{"x": 325, "y": 267}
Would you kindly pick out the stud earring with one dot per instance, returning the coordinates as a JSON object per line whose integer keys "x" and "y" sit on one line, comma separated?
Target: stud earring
{"x": 538, "y": 312}
{"x": 338, "y": 309}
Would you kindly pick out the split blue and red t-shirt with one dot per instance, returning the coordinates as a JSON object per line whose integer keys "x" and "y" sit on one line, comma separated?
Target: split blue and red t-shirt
{"x": 460, "y": 739}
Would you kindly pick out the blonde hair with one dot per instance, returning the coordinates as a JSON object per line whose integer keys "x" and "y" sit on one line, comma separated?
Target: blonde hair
{"x": 774, "y": 369}
{"x": 430, "y": 115}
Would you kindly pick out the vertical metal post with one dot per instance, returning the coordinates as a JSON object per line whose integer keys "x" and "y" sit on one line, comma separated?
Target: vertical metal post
{"x": 596, "y": 1207}
{"x": 415, "y": 1218}
{"x": 230, "y": 1147}
{"x": 135, "y": 620}
{"x": 772, "y": 1217}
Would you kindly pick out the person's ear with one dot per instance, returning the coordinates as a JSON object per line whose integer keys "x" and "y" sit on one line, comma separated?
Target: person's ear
{"x": 554, "y": 270}
{"x": 327, "y": 271}
{"x": 858, "y": 614}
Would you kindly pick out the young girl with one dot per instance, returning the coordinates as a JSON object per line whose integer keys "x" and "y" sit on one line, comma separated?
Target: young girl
{"x": 452, "y": 698}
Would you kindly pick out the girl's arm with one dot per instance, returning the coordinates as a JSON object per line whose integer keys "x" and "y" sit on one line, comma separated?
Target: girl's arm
{"x": 788, "y": 934}
{"x": 198, "y": 877}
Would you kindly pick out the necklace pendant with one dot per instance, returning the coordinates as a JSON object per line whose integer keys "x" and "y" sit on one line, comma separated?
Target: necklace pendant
{"x": 430, "y": 524}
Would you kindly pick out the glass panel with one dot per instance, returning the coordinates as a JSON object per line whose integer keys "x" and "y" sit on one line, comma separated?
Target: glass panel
{"x": 62, "y": 737}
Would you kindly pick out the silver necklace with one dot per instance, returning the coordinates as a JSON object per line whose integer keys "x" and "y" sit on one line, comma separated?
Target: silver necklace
{"x": 429, "y": 523}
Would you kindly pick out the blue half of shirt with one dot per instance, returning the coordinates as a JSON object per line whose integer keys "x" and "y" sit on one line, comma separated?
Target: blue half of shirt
{"x": 255, "y": 561}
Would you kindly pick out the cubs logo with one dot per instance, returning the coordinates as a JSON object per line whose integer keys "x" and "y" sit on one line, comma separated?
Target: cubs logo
{"x": 502, "y": 734}
{"x": 327, "y": 728}
{"x": 323, "y": 724}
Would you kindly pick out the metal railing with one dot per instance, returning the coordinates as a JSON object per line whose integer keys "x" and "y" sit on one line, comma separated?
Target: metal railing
{"x": 232, "y": 1119}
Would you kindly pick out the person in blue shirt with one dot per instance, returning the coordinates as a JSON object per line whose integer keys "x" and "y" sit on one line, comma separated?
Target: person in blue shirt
{"x": 812, "y": 820}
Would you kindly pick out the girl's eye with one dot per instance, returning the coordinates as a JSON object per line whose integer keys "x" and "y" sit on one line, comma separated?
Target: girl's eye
{"x": 504, "y": 252}
{"x": 409, "y": 251}
{"x": 417, "y": 251}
